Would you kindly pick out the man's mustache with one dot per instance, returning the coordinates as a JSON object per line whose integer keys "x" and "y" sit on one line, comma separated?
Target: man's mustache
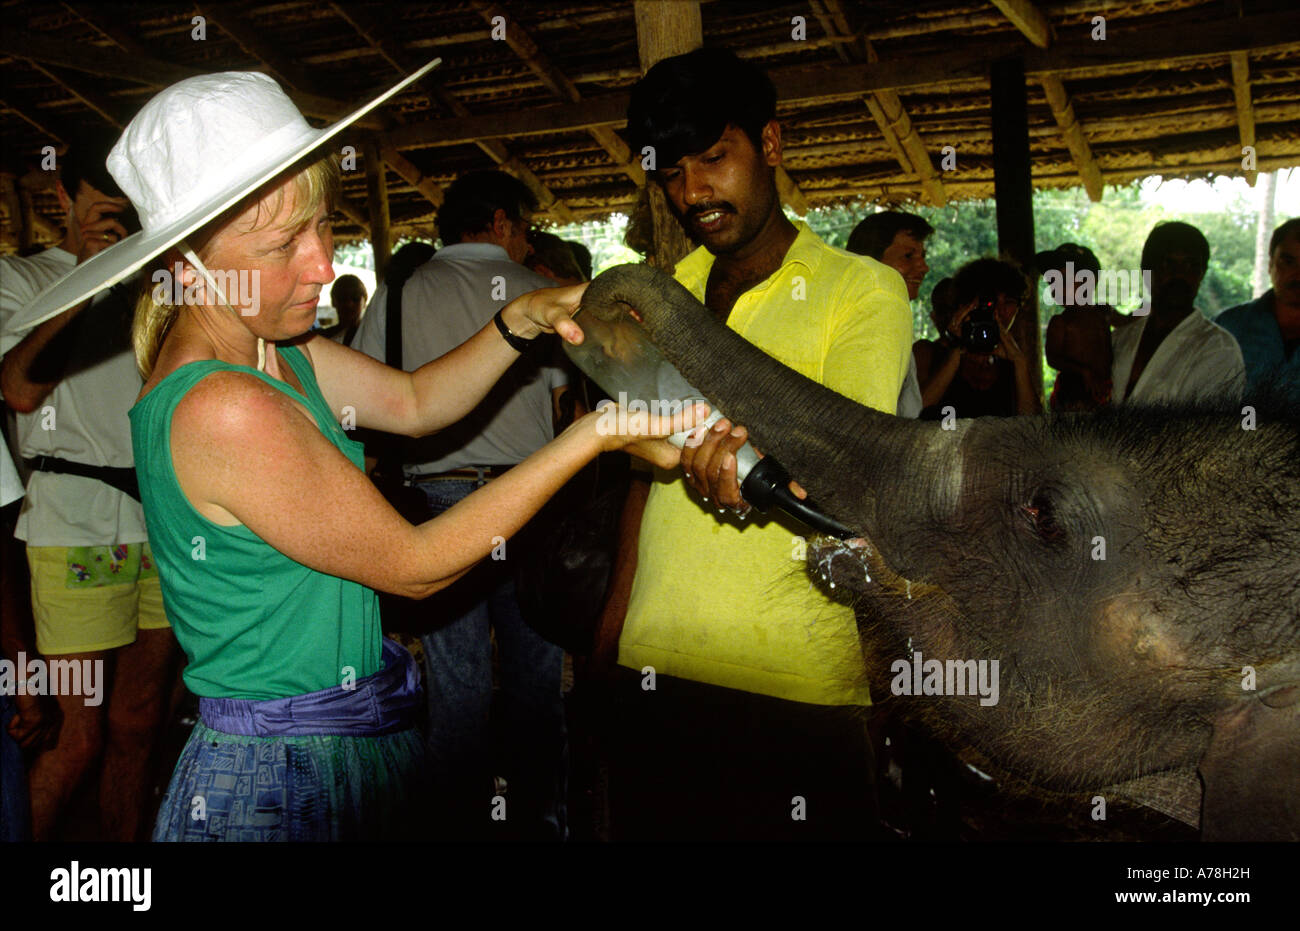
{"x": 698, "y": 209}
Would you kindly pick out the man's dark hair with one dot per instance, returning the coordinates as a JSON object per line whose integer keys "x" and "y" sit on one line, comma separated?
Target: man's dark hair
{"x": 406, "y": 260}
{"x": 876, "y": 233}
{"x": 554, "y": 253}
{"x": 347, "y": 288}
{"x": 684, "y": 104}
{"x": 85, "y": 161}
{"x": 473, "y": 199}
{"x": 988, "y": 278}
{"x": 943, "y": 304}
{"x": 1175, "y": 237}
{"x": 582, "y": 255}
{"x": 1288, "y": 230}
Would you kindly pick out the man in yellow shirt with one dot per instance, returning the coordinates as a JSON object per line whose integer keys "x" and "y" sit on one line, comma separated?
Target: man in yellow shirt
{"x": 741, "y": 718}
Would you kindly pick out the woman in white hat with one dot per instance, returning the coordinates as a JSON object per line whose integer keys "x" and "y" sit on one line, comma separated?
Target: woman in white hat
{"x": 269, "y": 538}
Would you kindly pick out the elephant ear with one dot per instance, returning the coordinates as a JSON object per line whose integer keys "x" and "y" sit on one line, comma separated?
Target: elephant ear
{"x": 1251, "y": 771}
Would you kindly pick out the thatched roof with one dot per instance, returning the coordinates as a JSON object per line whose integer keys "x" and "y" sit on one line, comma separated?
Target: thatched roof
{"x": 870, "y": 94}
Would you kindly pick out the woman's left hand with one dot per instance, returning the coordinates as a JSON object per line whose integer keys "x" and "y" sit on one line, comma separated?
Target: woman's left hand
{"x": 546, "y": 310}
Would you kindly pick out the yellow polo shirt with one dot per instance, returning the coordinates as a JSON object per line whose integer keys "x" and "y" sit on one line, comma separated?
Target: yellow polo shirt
{"x": 728, "y": 603}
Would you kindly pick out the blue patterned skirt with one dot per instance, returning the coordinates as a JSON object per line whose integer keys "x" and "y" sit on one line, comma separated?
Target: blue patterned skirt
{"x": 320, "y": 767}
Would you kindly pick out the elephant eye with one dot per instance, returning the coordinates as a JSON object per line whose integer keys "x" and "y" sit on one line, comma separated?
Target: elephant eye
{"x": 1042, "y": 514}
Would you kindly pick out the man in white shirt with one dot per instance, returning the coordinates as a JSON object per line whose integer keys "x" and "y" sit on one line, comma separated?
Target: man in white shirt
{"x": 484, "y": 226}
{"x": 1175, "y": 353}
{"x": 96, "y": 599}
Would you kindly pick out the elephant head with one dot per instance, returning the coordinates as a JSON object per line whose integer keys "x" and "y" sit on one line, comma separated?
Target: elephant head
{"x": 1134, "y": 572}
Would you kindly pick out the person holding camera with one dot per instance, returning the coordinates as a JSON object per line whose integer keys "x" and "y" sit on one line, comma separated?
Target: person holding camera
{"x": 975, "y": 367}
{"x": 96, "y": 597}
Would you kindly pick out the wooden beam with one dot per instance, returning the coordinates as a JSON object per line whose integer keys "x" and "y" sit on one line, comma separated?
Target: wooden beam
{"x": 377, "y": 201}
{"x": 885, "y": 106}
{"x": 1245, "y": 109}
{"x": 104, "y": 24}
{"x": 430, "y": 189}
{"x": 559, "y": 84}
{"x": 1028, "y": 19}
{"x": 150, "y": 72}
{"x": 354, "y": 212}
{"x": 1075, "y": 140}
{"x": 403, "y": 62}
{"x": 1144, "y": 48}
{"x": 28, "y": 108}
{"x": 90, "y": 96}
{"x": 248, "y": 37}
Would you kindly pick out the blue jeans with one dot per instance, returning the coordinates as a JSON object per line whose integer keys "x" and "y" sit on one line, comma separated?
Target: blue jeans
{"x": 523, "y": 737}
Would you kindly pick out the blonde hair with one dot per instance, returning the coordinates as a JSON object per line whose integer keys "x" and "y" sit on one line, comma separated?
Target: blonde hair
{"x": 316, "y": 184}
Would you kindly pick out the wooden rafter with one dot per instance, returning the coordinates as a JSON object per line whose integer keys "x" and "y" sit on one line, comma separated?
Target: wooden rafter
{"x": 150, "y": 72}
{"x": 1038, "y": 29}
{"x": 354, "y": 212}
{"x": 251, "y": 40}
{"x": 401, "y": 60}
{"x": 1028, "y": 19}
{"x": 45, "y": 121}
{"x": 1136, "y": 48}
{"x": 92, "y": 15}
{"x": 885, "y": 106}
{"x": 558, "y": 83}
{"x": 81, "y": 89}
{"x": 1245, "y": 109}
{"x": 1080, "y": 151}
{"x": 292, "y": 76}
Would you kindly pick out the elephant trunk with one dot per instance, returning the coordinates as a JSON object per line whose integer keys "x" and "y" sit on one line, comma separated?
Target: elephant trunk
{"x": 864, "y": 468}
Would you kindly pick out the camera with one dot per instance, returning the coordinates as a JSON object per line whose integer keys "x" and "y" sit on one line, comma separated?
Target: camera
{"x": 980, "y": 331}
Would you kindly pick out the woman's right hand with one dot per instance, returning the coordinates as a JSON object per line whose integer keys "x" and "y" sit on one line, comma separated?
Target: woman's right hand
{"x": 954, "y": 325}
{"x": 641, "y": 433}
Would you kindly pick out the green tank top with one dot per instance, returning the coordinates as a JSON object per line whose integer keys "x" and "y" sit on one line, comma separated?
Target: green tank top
{"x": 253, "y": 622}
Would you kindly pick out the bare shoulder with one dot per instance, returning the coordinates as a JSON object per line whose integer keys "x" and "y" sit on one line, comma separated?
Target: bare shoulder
{"x": 228, "y": 406}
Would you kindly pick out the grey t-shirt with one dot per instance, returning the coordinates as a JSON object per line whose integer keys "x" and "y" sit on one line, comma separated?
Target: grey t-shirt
{"x": 445, "y": 302}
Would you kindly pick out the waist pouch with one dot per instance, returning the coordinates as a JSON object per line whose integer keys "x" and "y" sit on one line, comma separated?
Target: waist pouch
{"x": 383, "y": 703}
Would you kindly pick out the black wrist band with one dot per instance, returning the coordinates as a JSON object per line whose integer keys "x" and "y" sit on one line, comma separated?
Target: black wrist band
{"x": 517, "y": 343}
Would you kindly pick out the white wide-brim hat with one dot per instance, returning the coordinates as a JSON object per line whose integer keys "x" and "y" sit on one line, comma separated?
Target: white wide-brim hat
{"x": 194, "y": 151}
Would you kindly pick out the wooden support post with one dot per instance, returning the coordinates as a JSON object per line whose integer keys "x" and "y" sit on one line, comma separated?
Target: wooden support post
{"x": 377, "y": 201}
{"x": 662, "y": 31}
{"x": 1013, "y": 194}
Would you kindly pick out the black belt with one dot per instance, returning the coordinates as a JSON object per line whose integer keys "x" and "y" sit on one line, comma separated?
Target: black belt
{"x": 123, "y": 480}
{"x": 469, "y": 473}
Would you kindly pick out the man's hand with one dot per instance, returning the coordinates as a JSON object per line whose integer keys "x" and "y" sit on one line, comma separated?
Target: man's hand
{"x": 36, "y": 725}
{"x": 709, "y": 466}
{"x": 99, "y": 229}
